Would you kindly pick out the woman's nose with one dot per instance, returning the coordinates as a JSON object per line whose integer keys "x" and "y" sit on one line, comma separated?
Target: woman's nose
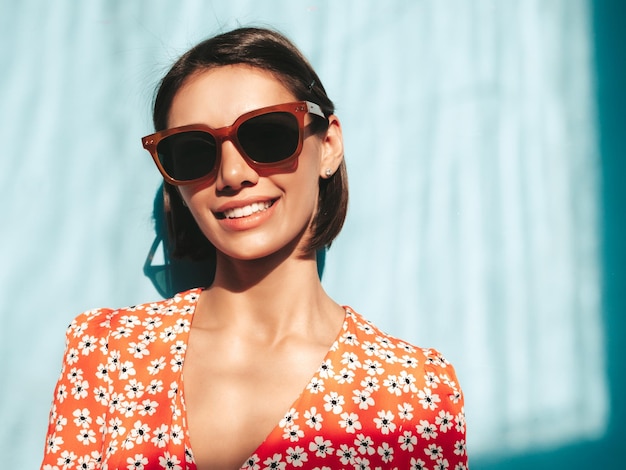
{"x": 234, "y": 172}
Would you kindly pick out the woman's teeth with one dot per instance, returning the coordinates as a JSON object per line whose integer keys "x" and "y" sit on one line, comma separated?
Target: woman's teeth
{"x": 245, "y": 211}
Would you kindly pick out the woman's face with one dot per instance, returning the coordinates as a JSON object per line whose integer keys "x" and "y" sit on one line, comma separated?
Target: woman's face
{"x": 246, "y": 215}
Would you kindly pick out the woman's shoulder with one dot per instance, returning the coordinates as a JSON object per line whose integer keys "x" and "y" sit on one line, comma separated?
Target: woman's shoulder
{"x": 100, "y": 322}
{"x": 377, "y": 343}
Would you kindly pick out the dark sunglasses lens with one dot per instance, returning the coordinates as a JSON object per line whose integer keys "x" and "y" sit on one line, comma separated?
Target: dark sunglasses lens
{"x": 269, "y": 138}
{"x": 188, "y": 155}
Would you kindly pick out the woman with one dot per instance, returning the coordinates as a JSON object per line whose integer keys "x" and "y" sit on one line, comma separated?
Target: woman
{"x": 261, "y": 369}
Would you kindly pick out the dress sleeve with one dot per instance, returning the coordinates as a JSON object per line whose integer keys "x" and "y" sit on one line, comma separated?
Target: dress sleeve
{"x": 77, "y": 421}
{"x": 440, "y": 417}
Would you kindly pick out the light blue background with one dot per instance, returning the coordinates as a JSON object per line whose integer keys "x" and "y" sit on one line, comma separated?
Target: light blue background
{"x": 483, "y": 155}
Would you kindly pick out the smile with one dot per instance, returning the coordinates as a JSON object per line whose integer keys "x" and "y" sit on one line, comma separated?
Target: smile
{"x": 248, "y": 210}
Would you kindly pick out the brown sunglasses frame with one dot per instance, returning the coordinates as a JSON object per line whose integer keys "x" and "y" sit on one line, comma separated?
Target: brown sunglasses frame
{"x": 297, "y": 108}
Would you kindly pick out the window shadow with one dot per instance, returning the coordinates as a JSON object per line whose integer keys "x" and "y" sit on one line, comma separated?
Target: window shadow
{"x": 609, "y": 37}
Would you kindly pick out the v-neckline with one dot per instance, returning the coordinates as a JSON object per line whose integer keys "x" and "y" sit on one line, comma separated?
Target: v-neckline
{"x": 294, "y": 405}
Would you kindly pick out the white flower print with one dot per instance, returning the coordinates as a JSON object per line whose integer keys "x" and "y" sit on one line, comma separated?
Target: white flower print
{"x": 147, "y": 407}
{"x": 345, "y": 376}
{"x": 370, "y": 383}
{"x": 405, "y": 411}
{"x": 61, "y": 393}
{"x": 351, "y": 360}
{"x": 442, "y": 464}
{"x": 161, "y": 436}
{"x": 460, "y": 422}
{"x": 72, "y": 356}
{"x": 373, "y": 367}
{"x": 289, "y": 418}
{"x": 82, "y": 418}
{"x": 297, "y": 456}
{"x": 59, "y": 423}
{"x": 393, "y": 386}
{"x": 87, "y": 345}
{"x": 371, "y": 349}
{"x": 66, "y": 460}
{"x": 314, "y": 419}
{"x": 444, "y": 421}
{"x": 134, "y": 389}
{"x": 75, "y": 375}
{"x": 155, "y": 387}
{"x": 127, "y": 408}
{"x": 407, "y": 441}
{"x": 113, "y": 360}
{"x": 322, "y": 447}
{"x": 79, "y": 390}
{"x": 326, "y": 370}
{"x": 179, "y": 347}
{"x": 384, "y": 422}
{"x": 334, "y": 402}
{"x": 315, "y": 385}
{"x": 365, "y": 444}
{"x": 408, "y": 362}
{"x": 434, "y": 451}
{"x": 347, "y": 454}
{"x": 428, "y": 399}
{"x": 349, "y": 338}
{"x": 363, "y": 398}
{"x": 138, "y": 350}
{"x": 121, "y": 332}
{"x": 138, "y": 462}
{"x": 176, "y": 434}
{"x": 140, "y": 432}
{"x": 152, "y": 323}
{"x": 156, "y": 365}
{"x": 86, "y": 436}
{"x": 168, "y": 334}
{"x": 361, "y": 463}
{"x": 407, "y": 382}
{"x": 116, "y": 427}
{"x": 182, "y": 326}
{"x": 432, "y": 379}
{"x": 114, "y": 401}
{"x": 293, "y": 433}
{"x": 386, "y": 452}
{"x": 169, "y": 462}
{"x": 147, "y": 337}
{"x": 418, "y": 464}
{"x": 177, "y": 363}
{"x": 130, "y": 321}
{"x": 126, "y": 369}
{"x": 274, "y": 462}
{"x": 101, "y": 395}
{"x": 53, "y": 444}
{"x": 85, "y": 463}
{"x": 252, "y": 463}
{"x": 350, "y": 422}
{"x": 426, "y": 430}
{"x": 459, "y": 447}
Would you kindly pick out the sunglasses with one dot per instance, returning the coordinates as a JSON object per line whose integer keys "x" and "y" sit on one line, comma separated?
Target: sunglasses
{"x": 267, "y": 138}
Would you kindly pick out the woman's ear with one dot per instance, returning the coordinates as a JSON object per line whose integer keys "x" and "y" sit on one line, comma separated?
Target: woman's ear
{"x": 332, "y": 148}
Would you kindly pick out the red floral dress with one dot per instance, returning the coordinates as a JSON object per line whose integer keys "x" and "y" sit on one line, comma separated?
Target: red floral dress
{"x": 375, "y": 401}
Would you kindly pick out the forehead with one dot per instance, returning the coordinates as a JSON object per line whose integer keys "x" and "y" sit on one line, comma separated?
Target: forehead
{"x": 218, "y": 96}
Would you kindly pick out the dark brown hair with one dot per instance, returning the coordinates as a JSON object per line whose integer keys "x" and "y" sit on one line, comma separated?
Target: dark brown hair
{"x": 267, "y": 50}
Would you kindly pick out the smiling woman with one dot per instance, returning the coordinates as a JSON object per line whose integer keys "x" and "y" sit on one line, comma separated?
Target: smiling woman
{"x": 260, "y": 369}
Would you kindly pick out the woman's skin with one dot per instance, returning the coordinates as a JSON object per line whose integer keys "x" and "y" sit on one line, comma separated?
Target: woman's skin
{"x": 263, "y": 328}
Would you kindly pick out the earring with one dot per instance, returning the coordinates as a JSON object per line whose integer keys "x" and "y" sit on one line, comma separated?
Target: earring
{"x": 329, "y": 172}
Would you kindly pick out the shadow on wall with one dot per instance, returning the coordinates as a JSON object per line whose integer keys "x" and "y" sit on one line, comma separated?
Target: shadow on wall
{"x": 609, "y": 37}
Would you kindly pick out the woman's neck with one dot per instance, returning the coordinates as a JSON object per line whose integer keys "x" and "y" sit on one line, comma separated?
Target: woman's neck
{"x": 272, "y": 298}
